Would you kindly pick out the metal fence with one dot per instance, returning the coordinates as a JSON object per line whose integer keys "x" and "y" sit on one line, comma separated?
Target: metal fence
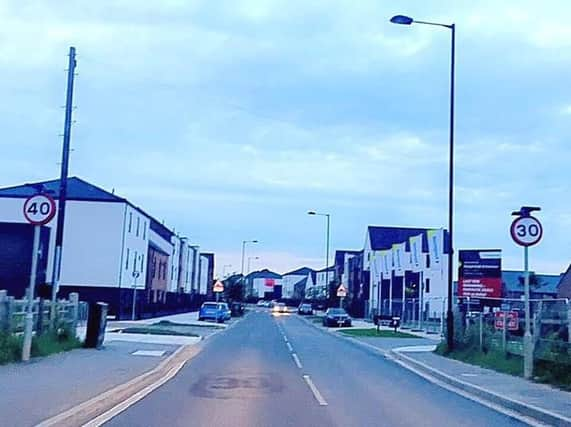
{"x": 503, "y": 330}
{"x": 69, "y": 313}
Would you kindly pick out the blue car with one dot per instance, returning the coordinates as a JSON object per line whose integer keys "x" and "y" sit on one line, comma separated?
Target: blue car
{"x": 212, "y": 311}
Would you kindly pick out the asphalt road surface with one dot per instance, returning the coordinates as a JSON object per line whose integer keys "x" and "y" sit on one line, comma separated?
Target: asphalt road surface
{"x": 250, "y": 376}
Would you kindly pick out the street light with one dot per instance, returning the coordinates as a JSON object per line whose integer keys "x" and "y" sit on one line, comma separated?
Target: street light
{"x": 406, "y": 20}
{"x": 244, "y": 242}
{"x": 327, "y": 245}
{"x": 250, "y": 258}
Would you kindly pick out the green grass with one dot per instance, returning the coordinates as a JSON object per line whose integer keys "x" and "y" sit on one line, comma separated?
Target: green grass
{"x": 43, "y": 345}
{"x": 495, "y": 360}
{"x": 372, "y": 332}
{"x": 161, "y": 330}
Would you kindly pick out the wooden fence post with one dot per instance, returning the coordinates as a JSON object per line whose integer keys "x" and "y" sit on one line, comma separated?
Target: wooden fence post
{"x": 74, "y": 300}
{"x": 9, "y": 314}
{"x": 3, "y": 311}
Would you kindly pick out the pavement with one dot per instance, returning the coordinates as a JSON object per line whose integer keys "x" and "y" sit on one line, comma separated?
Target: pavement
{"x": 34, "y": 391}
{"x": 282, "y": 371}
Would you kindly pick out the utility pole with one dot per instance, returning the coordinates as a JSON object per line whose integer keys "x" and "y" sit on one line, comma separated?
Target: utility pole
{"x": 56, "y": 271}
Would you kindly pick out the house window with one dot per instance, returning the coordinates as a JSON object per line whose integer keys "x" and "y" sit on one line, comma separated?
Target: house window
{"x": 130, "y": 221}
{"x": 138, "y": 225}
{"x": 127, "y": 260}
{"x": 144, "y": 230}
{"x": 142, "y": 261}
{"x": 427, "y": 286}
{"x": 135, "y": 262}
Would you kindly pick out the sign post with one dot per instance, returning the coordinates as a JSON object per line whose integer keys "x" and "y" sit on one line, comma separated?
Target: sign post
{"x": 526, "y": 231}
{"x": 38, "y": 210}
{"x": 341, "y": 293}
{"x": 218, "y": 289}
{"x": 133, "y": 308}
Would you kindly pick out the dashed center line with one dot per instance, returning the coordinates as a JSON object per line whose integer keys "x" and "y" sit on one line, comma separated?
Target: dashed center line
{"x": 315, "y": 391}
{"x": 285, "y": 338}
{"x": 289, "y": 347}
{"x": 296, "y": 360}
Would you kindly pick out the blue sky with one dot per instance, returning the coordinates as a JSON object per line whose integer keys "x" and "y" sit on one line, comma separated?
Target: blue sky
{"x": 231, "y": 119}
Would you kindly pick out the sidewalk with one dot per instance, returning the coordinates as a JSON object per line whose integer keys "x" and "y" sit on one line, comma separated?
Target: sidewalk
{"x": 513, "y": 388}
{"x": 32, "y": 392}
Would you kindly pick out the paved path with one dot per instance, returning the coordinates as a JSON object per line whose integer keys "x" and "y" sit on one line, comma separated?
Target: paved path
{"x": 249, "y": 376}
{"x": 45, "y": 387}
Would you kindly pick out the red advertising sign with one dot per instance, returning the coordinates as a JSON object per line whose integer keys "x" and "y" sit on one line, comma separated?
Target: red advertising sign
{"x": 480, "y": 273}
{"x": 270, "y": 283}
{"x": 510, "y": 316}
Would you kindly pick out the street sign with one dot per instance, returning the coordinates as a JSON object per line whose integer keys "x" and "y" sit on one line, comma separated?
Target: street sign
{"x": 526, "y": 230}
{"x": 218, "y": 287}
{"x": 341, "y": 291}
{"x": 510, "y": 316}
{"x": 39, "y": 209}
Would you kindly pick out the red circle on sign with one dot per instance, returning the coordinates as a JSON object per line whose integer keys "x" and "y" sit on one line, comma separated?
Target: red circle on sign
{"x": 43, "y": 217}
{"x": 521, "y": 230}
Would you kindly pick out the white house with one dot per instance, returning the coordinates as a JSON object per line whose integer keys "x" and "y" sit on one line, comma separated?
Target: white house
{"x": 296, "y": 277}
{"x": 433, "y": 277}
{"x": 106, "y": 245}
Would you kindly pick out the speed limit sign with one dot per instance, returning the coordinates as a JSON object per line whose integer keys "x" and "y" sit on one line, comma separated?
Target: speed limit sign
{"x": 526, "y": 230}
{"x": 39, "y": 209}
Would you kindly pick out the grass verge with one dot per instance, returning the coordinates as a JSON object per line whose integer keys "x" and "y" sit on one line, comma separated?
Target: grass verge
{"x": 43, "y": 345}
{"x": 372, "y": 332}
{"x": 510, "y": 364}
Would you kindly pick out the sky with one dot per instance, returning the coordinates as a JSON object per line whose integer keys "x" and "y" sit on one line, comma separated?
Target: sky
{"x": 229, "y": 120}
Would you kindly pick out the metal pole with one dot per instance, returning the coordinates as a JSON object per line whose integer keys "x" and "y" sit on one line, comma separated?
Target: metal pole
{"x": 504, "y": 331}
{"x": 449, "y": 314}
{"x": 327, "y": 257}
{"x": 63, "y": 183}
{"x": 28, "y": 330}
{"x": 391, "y": 295}
{"x": 527, "y": 344}
{"x": 134, "y": 297}
{"x": 481, "y": 332}
{"x": 420, "y": 301}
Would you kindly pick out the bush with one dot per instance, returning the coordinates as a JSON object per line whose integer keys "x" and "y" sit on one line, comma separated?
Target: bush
{"x": 10, "y": 348}
{"x": 63, "y": 339}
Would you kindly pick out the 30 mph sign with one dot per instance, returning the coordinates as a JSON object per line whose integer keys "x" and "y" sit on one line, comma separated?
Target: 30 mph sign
{"x": 526, "y": 230}
{"x": 39, "y": 209}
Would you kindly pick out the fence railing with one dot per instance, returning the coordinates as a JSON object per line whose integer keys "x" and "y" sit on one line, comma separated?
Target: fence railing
{"x": 69, "y": 313}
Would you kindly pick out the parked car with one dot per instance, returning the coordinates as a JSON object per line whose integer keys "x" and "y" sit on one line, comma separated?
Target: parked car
{"x": 226, "y": 310}
{"x": 212, "y": 311}
{"x": 261, "y": 303}
{"x": 237, "y": 309}
{"x": 280, "y": 307}
{"x": 305, "y": 308}
{"x": 336, "y": 317}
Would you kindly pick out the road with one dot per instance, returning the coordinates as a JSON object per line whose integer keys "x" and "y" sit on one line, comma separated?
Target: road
{"x": 247, "y": 376}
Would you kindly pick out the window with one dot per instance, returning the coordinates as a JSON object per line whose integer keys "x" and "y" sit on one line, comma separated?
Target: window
{"x": 142, "y": 261}
{"x": 127, "y": 260}
{"x": 427, "y": 286}
{"x": 130, "y": 221}
{"x": 135, "y": 262}
{"x": 144, "y": 230}
{"x": 138, "y": 226}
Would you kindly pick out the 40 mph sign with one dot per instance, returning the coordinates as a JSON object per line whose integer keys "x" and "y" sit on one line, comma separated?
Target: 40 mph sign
{"x": 526, "y": 231}
{"x": 39, "y": 209}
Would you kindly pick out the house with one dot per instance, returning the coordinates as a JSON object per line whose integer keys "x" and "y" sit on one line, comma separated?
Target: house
{"x": 264, "y": 284}
{"x": 386, "y": 294}
{"x": 206, "y": 277}
{"x": 113, "y": 251}
{"x": 324, "y": 277}
{"x": 342, "y": 257}
{"x": 564, "y": 286}
{"x": 349, "y": 271}
{"x": 295, "y": 283}
{"x": 541, "y": 286}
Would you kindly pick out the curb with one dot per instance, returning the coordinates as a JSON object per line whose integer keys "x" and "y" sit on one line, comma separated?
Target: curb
{"x": 522, "y": 408}
{"x": 88, "y": 410}
{"x": 423, "y": 370}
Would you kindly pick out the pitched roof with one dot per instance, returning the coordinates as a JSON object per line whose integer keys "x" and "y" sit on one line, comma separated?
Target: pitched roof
{"x": 77, "y": 189}
{"x": 340, "y": 255}
{"x": 303, "y": 271}
{"x": 332, "y": 268}
{"x": 385, "y": 237}
{"x": 264, "y": 274}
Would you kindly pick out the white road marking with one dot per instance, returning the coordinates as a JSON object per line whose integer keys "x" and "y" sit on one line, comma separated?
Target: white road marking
{"x": 116, "y": 410}
{"x": 415, "y": 349}
{"x": 289, "y": 347}
{"x": 469, "y": 375}
{"x": 285, "y": 338}
{"x": 296, "y": 360}
{"x": 315, "y": 391}
{"x": 152, "y": 353}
